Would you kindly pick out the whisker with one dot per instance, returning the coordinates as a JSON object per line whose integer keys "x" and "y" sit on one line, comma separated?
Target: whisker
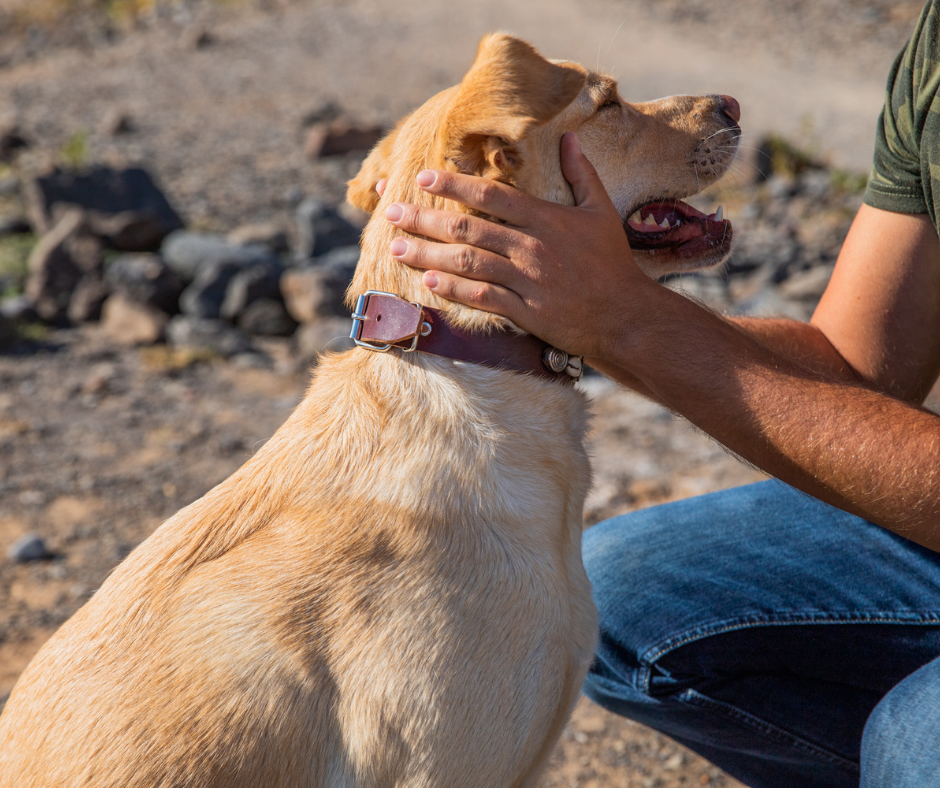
{"x": 612, "y": 39}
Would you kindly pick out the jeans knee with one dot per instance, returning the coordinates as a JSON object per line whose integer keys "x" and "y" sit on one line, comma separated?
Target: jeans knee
{"x": 899, "y": 745}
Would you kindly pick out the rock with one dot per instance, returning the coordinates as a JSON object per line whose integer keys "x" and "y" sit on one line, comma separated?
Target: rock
{"x": 125, "y": 207}
{"x": 18, "y": 309}
{"x": 807, "y": 285}
{"x": 53, "y": 274}
{"x": 116, "y": 123}
{"x": 325, "y": 113}
{"x": 29, "y": 547}
{"x": 87, "y": 300}
{"x": 343, "y": 259}
{"x": 216, "y": 336}
{"x": 769, "y": 303}
{"x": 187, "y": 252}
{"x": 129, "y": 322}
{"x": 12, "y": 140}
{"x": 206, "y": 295}
{"x": 197, "y": 37}
{"x": 320, "y": 228}
{"x": 269, "y": 234}
{"x": 340, "y": 137}
{"x": 14, "y": 225}
{"x": 250, "y": 285}
{"x": 314, "y": 293}
{"x": 9, "y": 186}
{"x": 327, "y": 335}
{"x": 98, "y": 381}
{"x": 8, "y": 335}
{"x": 147, "y": 279}
{"x": 267, "y": 317}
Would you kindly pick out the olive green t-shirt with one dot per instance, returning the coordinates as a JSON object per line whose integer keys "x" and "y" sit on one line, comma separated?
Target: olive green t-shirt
{"x": 905, "y": 176}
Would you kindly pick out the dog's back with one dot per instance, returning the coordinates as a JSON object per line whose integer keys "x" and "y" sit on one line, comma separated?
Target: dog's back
{"x": 344, "y": 610}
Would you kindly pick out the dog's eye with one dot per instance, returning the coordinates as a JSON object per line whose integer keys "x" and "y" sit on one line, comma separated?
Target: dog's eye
{"x": 609, "y": 104}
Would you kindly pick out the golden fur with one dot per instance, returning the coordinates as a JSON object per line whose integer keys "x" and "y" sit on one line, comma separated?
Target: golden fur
{"x": 390, "y": 593}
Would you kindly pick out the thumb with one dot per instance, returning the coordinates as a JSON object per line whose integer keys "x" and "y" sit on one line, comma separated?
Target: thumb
{"x": 580, "y": 173}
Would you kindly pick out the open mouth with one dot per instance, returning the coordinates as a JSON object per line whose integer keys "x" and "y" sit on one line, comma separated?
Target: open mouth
{"x": 677, "y": 227}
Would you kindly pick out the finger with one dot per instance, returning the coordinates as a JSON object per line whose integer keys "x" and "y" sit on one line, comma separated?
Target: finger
{"x": 493, "y": 198}
{"x": 580, "y": 173}
{"x": 466, "y": 262}
{"x": 479, "y": 295}
{"x": 451, "y": 227}
{"x": 380, "y": 186}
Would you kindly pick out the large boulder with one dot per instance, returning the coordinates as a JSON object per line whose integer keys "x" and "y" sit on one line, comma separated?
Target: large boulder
{"x": 124, "y": 207}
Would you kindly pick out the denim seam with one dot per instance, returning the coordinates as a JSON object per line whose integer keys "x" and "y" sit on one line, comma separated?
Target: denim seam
{"x": 654, "y": 653}
{"x": 764, "y": 728}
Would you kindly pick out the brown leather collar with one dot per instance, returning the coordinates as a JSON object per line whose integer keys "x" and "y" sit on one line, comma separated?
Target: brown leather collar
{"x": 383, "y": 321}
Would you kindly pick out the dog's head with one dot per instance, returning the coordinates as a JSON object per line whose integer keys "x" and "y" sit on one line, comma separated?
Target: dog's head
{"x": 505, "y": 121}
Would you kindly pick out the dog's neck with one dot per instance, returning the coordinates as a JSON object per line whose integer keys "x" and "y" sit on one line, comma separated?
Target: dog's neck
{"x": 378, "y": 270}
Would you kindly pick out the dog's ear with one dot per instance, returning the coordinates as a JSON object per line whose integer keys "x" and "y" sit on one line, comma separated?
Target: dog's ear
{"x": 509, "y": 90}
{"x": 360, "y": 191}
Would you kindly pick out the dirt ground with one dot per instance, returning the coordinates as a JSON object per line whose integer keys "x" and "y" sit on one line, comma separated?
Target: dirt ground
{"x": 99, "y": 444}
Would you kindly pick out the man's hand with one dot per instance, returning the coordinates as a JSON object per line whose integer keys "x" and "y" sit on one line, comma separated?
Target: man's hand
{"x": 551, "y": 269}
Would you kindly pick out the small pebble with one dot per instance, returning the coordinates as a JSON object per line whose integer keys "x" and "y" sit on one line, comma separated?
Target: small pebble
{"x": 29, "y": 547}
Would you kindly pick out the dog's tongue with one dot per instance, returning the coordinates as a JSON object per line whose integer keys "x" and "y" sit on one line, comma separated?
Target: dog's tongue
{"x": 671, "y": 223}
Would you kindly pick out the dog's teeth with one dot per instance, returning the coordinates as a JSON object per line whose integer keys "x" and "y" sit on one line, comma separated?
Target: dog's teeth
{"x": 649, "y": 221}
{"x": 636, "y": 218}
{"x": 665, "y": 224}
{"x": 719, "y": 213}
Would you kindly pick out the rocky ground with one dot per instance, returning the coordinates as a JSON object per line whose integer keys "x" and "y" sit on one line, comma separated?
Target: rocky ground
{"x": 105, "y": 432}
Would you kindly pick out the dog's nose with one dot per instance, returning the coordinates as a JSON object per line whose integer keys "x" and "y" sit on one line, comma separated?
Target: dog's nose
{"x": 730, "y": 107}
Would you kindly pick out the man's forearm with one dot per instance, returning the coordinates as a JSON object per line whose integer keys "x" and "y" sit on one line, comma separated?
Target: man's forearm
{"x": 775, "y": 395}
{"x": 801, "y": 343}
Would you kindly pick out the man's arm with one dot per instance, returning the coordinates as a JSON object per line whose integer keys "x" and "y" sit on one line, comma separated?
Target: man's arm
{"x": 805, "y": 403}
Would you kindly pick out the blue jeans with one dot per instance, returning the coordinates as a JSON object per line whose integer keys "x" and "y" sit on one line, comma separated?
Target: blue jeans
{"x": 789, "y": 643}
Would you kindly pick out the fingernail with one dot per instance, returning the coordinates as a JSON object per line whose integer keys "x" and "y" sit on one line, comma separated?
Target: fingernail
{"x": 426, "y": 178}
{"x": 398, "y": 247}
{"x": 429, "y": 279}
{"x": 394, "y": 212}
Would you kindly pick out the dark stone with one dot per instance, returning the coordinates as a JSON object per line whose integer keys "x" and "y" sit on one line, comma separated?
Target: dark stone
{"x": 87, "y": 300}
{"x": 269, "y": 234}
{"x": 187, "y": 253}
{"x": 267, "y": 317}
{"x": 314, "y": 293}
{"x": 205, "y": 296}
{"x": 343, "y": 259}
{"x": 147, "y": 279}
{"x": 8, "y": 334}
{"x": 14, "y": 225}
{"x": 18, "y": 309}
{"x": 12, "y": 142}
{"x": 216, "y": 336}
{"x": 29, "y": 547}
{"x": 340, "y": 137}
{"x": 251, "y": 285}
{"x": 328, "y": 335}
{"x": 320, "y": 228}
{"x": 124, "y": 207}
{"x": 53, "y": 273}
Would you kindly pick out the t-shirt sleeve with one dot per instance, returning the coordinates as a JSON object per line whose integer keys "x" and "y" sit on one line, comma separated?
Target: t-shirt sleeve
{"x": 895, "y": 183}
